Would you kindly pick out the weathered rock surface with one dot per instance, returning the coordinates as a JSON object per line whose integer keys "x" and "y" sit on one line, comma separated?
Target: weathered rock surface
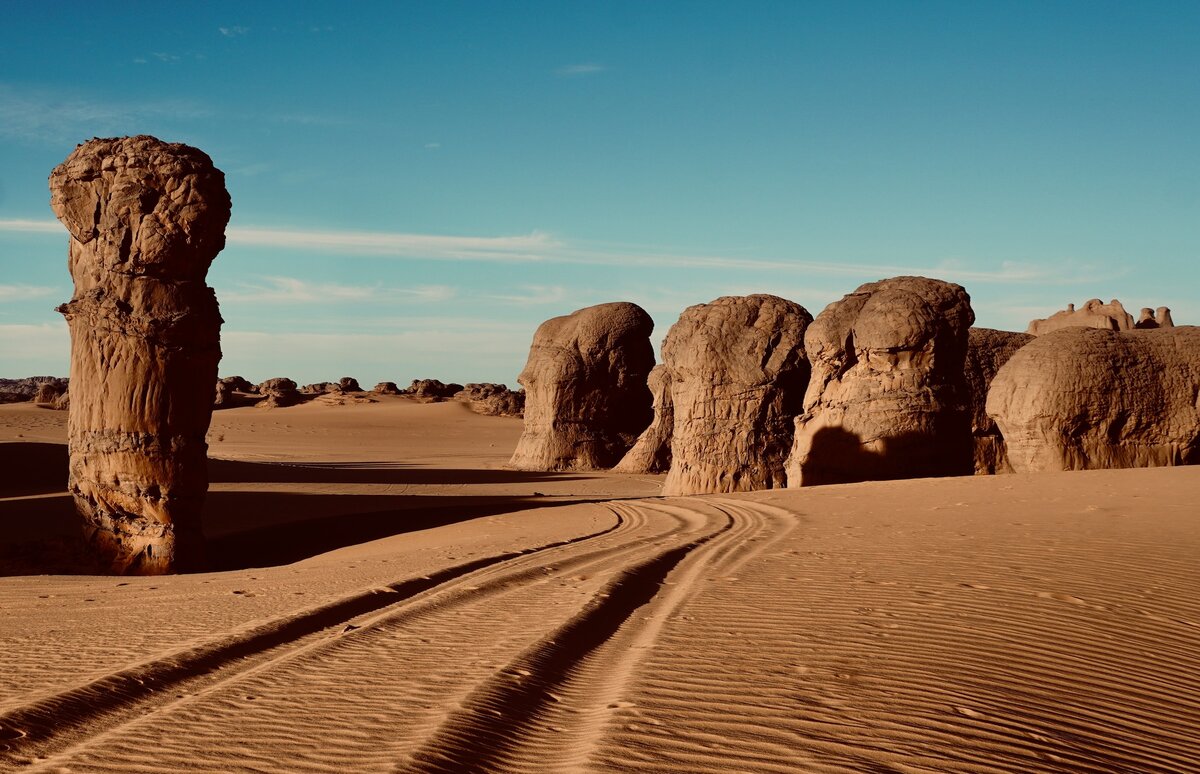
{"x": 320, "y": 388}
{"x": 1087, "y": 398}
{"x": 987, "y": 350}
{"x": 493, "y": 400}
{"x": 349, "y": 384}
{"x": 278, "y": 393}
{"x": 1150, "y": 318}
{"x": 586, "y": 399}
{"x": 386, "y": 388}
{"x": 146, "y": 219}
{"x": 652, "y": 452}
{"x": 433, "y": 389}
{"x": 232, "y": 392}
{"x": 238, "y": 384}
{"x": 48, "y": 392}
{"x": 737, "y": 371}
{"x": 888, "y": 396}
{"x": 1094, "y": 314}
{"x": 26, "y": 388}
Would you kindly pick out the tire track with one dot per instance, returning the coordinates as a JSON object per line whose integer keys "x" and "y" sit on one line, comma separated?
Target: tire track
{"x": 48, "y": 725}
{"x": 545, "y": 710}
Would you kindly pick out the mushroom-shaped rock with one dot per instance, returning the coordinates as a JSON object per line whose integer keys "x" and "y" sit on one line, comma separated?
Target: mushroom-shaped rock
{"x": 494, "y": 400}
{"x": 737, "y": 372}
{"x": 278, "y": 392}
{"x": 386, "y": 388}
{"x": 652, "y": 452}
{"x": 987, "y": 350}
{"x": 146, "y": 219}
{"x": 586, "y": 399}
{"x": 888, "y": 396}
{"x": 1088, "y": 398}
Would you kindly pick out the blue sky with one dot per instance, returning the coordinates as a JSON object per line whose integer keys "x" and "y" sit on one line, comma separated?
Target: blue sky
{"x": 417, "y": 185}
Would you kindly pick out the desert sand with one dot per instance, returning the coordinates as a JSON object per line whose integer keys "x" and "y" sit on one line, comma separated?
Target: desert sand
{"x": 389, "y": 597}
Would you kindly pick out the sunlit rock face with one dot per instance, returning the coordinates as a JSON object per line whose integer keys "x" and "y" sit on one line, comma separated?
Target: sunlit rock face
{"x": 737, "y": 372}
{"x": 586, "y": 399}
{"x": 146, "y": 219}
{"x": 987, "y": 350}
{"x": 1086, "y": 398}
{"x": 652, "y": 452}
{"x": 888, "y": 397}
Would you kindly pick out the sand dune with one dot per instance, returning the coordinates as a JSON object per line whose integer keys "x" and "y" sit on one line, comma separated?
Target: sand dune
{"x": 1039, "y": 623}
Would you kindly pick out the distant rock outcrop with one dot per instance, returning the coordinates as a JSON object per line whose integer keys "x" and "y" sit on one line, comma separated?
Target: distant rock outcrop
{"x": 652, "y": 452}
{"x": 320, "y": 388}
{"x": 1085, "y": 398}
{"x": 233, "y": 391}
{"x": 146, "y": 219}
{"x": 26, "y": 388}
{"x": 386, "y": 388}
{"x": 494, "y": 400}
{"x": 585, "y": 386}
{"x": 238, "y": 384}
{"x": 433, "y": 389}
{"x": 49, "y": 391}
{"x": 349, "y": 384}
{"x": 1094, "y": 314}
{"x": 987, "y": 350}
{"x": 278, "y": 393}
{"x": 1150, "y": 318}
{"x": 888, "y": 396}
{"x": 737, "y": 371}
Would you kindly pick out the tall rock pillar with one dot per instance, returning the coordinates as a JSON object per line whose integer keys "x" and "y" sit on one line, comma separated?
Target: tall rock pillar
{"x": 146, "y": 219}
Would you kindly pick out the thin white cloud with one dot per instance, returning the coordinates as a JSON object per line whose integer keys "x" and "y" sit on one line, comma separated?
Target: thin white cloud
{"x": 163, "y": 56}
{"x": 234, "y": 31}
{"x": 433, "y": 145}
{"x": 533, "y": 295}
{"x": 50, "y": 118}
{"x": 291, "y": 290}
{"x": 32, "y": 226}
{"x": 576, "y": 70}
{"x": 540, "y": 247}
{"x": 24, "y": 292}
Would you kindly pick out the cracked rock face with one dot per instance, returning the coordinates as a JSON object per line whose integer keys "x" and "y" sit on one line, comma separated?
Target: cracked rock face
{"x": 586, "y": 399}
{"x": 1086, "y": 398}
{"x": 652, "y": 452}
{"x": 888, "y": 397}
{"x": 987, "y": 351}
{"x": 146, "y": 219}
{"x": 737, "y": 371}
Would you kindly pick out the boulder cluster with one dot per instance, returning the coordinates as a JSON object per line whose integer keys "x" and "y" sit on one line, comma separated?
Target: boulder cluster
{"x": 892, "y": 381}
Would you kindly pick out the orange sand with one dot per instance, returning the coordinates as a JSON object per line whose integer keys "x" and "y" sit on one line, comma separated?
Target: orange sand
{"x": 395, "y": 600}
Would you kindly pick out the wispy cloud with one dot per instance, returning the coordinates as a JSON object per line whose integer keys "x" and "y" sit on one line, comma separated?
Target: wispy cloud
{"x": 540, "y": 247}
{"x": 234, "y": 31}
{"x": 576, "y": 70}
{"x": 32, "y": 226}
{"x": 54, "y": 118}
{"x": 533, "y": 295}
{"x": 24, "y": 292}
{"x": 292, "y": 290}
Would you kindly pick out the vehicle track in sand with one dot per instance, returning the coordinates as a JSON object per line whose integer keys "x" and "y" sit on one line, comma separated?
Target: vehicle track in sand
{"x": 553, "y": 618}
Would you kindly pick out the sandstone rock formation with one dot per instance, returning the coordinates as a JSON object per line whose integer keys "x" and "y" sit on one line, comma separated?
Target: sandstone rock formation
{"x": 320, "y": 388}
{"x": 349, "y": 384}
{"x": 987, "y": 350}
{"x": 1094, "y": 314}
{"x": 48, "y": 392}
{"x": 26, "y": 388}
{"x": 888, "y": 396}
{"x": 737, "y": 371}
{"x": 232, "y": 391}
{"x": 386, "y": 388}
{"x": 652, "y": 452}
{"x": 586, "y": 399}
{"x": 238, "y": 384}
{"x": 1085, "y": 398}
{"x": 1150, "y": 318}
{"x": 493, "y": 400}
{"x": 433, "y": 389}
{"x": 225, "y": 395}
{"x": 146, "y": 219}
{"x": 278, "y": 393}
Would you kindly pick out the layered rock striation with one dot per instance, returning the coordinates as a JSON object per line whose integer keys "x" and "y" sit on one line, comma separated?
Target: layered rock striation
{"x": 1086, "y": 398}
{"x": 146, "y": 219}
{"x": 737, "y": 371}
{"x": 586, "y": 399}
{"x": 888, "y": 397}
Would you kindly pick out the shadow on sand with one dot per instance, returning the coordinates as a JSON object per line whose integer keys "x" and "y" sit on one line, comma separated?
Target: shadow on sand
{"x": 38, "y": 531}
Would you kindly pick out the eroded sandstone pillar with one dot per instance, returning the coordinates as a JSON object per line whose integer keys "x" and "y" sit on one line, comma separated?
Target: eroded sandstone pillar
{"x": 146, "y": 219}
